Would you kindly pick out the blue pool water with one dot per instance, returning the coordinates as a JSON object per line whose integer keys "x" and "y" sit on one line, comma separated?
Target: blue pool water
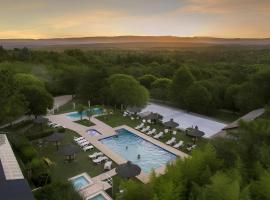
{"x": 76, "y": 115}
{"x": 93, "y": 132}
{"x": 152, "y": 156}
{"x": 80, "y": 182}
{"x": 98, "y": 197}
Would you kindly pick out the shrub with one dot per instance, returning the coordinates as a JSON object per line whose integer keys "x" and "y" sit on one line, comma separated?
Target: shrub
{"x": 28, "y": 153}
{"x": 40, "y": 179}
{"x": 37, "y": 135}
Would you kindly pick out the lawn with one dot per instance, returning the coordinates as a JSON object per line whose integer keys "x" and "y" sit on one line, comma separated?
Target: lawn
{"x": 63, "y": 170}
{"x": 85, "y": 122}
{"x": 117, "y": 119}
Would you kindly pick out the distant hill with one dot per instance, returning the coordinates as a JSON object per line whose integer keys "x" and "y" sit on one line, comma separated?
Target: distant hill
{"x": 129, "y": 42}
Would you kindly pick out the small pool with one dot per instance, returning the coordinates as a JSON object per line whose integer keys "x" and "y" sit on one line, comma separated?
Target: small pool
{"x": 93, "y": 132}
{"x": 80, "y": 182}
{"x": 98, "y": 197}
{"x": 76, "y": 115}
{"x": 152, "y": 156}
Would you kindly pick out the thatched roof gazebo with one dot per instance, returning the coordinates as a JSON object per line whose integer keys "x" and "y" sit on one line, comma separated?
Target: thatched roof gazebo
{"x": 128, "y": 170}
{"x": 56, "y": 138}
{"x": 171, "y": 124}
{"x": 194, "y": 132}
{"x": 69, "y": 151}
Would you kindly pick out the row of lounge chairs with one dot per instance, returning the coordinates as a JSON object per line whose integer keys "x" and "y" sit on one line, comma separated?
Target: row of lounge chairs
{"x": 99, "y": 158}
{"x": 83, "y": 143}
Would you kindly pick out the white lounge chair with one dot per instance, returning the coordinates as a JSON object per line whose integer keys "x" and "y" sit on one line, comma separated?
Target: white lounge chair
{"x": 100, "y": 159}
{"x": 151, "y": 132}
{"x": 174, "y": 132}
{"x": 166, "y": 130}
{"x": 78, "y": 138}
{"x": 95, "y": 155}
{"x": 81, "y": 141}
{"x": 179, "y": 144}
{"x": 192, "y": 147}
{"x": 157, "y": 136}
{"x": 84, "y": 144}
{"x": 171, "y": 141}
{"x": 149, "y": 121}
{"x": 132, "y": 118}
{"x": 85, "y": 148}
{"x": 143, "y": 120}
{"x": 146, "y": 129}
{"x": 108, "y": 165}
{"x": 139, "y": 126}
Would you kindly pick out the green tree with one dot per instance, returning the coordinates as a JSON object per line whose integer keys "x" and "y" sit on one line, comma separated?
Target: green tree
{"x": 125, "y": 90}
{"x": 147, "y": 80}
{"x": 80, "y": 110}
{"x": 160, "y": 88}
{"x": 198, "y": 99}
{"x": 261, "y": 188}
{"x": 89, "y": 113}
{"x": 181, "y": 81}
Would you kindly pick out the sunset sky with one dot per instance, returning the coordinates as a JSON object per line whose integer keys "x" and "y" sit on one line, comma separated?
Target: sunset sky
{"x": 81, "y": 18}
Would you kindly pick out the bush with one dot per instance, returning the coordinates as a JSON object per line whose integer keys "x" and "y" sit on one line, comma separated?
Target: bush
{"x": 61, "y": 130}
{"x": 35, "y": 136}
{"x": 28, "y": 153}
{"x": 40, "y": 179}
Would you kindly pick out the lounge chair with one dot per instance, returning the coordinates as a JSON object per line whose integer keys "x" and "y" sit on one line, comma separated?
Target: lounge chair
{"x": 76, "y": 139}
{"x": 100, "y": 159}
{"x": 139, "y": 126}
{"x": 149, "y": 121}
{"x": 179, "y": 144}
{"x": 157, "y": 136}
{"x": 81, "y": 141}
{"x": 95, "y": 155}
{"x": 143, "y": 120}
{"x": 151, "y": 132}
{"x": 88, "y": 147}
{"x": 84, "y": 144}
{"x": 174, "y": 132}
{"x": 146, "y": 129}
{"x": 132, "y": 118}
{"x": 166, "y": 130}
{"x": 191, "y": 147}
{"x": 108, "y": 165}
{"x": 171, "y": 141}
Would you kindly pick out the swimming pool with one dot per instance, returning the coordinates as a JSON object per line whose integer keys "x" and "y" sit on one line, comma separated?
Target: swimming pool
{"x": 80, "y": 182}
{"x": 76, "y": 115}
{"x": 98, "y": 197}
{"x": 152, "y": 156}
{"x": 93, "y": 132}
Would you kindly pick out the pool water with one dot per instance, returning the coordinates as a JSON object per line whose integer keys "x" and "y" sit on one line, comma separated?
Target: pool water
{"x": 151, "y": 156}
{"x": 98, "y": 197}
{"x": 93, "y": 132}
{"x": 76, "y": 115}
{"x": 80, "y": 182}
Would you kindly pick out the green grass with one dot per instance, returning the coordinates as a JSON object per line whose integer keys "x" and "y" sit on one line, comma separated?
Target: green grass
{"x": 117, "y": 119}
{"x": 64, "y": 170}
{"x": 85, "y": 122}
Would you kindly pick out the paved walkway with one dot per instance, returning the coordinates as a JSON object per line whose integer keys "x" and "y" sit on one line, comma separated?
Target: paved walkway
{"x": 107, "y": 131}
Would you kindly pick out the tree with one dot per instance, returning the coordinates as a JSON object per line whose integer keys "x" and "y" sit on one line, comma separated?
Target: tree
{"x": 125, "y": 90}
{"x": 147, "y": 80}
{"x": 198, "y": 99}
{"x": 12, "y": 103}
{"x": 39, "y": 100}
{"x": 181, "y": 81}
{"x": 160, "y": 88}
{"x": 57, "y": 191}
{"x": 80, "y": 109}
{"x": 89, "y": 113}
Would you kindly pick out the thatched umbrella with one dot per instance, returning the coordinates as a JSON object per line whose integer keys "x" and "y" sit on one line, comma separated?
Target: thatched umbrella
{"x": 40, "y": 121}
{"x": 195, "y": 132}
{"x": 154, "y": 116}
{"x": 56, "y": 137}
{"x": 69, "y": 151}
{"x": 171, "y": 124}
{"x": 128, "y": 170}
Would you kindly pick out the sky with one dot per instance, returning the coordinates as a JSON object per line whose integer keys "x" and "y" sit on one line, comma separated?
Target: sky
{"x": 82, "y": 18}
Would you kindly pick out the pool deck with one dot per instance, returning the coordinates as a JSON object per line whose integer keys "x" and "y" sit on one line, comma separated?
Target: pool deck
{"x": 108, "y": 131}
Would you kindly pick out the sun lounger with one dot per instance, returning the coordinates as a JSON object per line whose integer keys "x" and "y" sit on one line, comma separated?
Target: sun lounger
{"x": 108, "y": 165}
{"x": 192, "y": 147}
{"x": 143, "y": 120}
{"x": 149, "y": 121}
{"x": 81, "y": 141}
{"x": 151, "y": 132}
{"x": 166, "y": 130}
{"x": 174, "y": 132}
{"x": 171, "y": 141}
{"x": 179, "y": 144}
{"x": 146, "y": 129}
{"x": 157, "y": 136}
{"x": 139, "y": 126}
{"x": 76, "y": 139}
{"x": 95, "y": 155}
{"x": 132, "y": 118}
{"x": 85, "y": 148}
{"x": 100, "y": 159}
{"x": 84, "y": 144}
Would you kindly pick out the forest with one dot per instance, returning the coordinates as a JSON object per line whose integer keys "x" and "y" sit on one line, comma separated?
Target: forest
{"x": 202, "y": 79}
